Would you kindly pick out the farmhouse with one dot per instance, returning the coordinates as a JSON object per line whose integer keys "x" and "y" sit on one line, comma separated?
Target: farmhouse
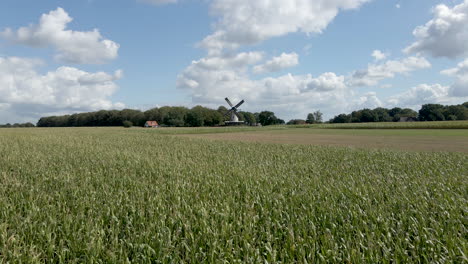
{"x": 151, "y": 124}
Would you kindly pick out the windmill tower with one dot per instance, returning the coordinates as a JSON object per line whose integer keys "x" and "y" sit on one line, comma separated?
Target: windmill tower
{"x": 234, "y": 118}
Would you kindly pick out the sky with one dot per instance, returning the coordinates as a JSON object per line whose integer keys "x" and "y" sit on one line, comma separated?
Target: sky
{"x": 291, "y": 57}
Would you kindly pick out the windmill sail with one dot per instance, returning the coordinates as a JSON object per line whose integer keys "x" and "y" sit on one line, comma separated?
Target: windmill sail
{"x": 239, "y": 104}
{"x": 229, "y": 102}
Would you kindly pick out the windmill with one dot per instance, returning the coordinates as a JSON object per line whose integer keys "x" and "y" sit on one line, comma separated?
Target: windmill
{"x": 234, "y": 120}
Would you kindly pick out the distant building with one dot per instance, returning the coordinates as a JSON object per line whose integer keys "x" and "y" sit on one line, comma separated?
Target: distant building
{"x": 407, "y": 119}
{"x": 151, "y": 124}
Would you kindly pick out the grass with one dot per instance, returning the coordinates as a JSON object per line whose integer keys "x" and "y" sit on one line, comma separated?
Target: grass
{"x": 393, "y": 125}
{"x": 400, "y": 139}
{"x": 130, "y": 195}
{"x": 370, "y": 132}
{"x": 208, "y": 130}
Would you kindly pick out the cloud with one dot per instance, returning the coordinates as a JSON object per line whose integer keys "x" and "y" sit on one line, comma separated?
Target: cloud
{"x": 446, "y": 35}
{"x": 285, "y": 60}
{"x": 158, "y": 2}
{"x": 290, "y": 94}
{"x": 379, "y": 55}
{"x": 460, "y": 73}
{"x": 422, "y": 94}
{"x": 28, "y": 94}
{"x": 398, "y": 6}
{"x": 368, "y": 100}
{"x": 246, "y": 22}
{"x": 72, "y": 46}
{"x": 377, "y": 72}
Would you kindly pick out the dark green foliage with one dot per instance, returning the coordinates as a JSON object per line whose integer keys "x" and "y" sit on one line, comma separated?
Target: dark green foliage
{"x": 212, "y": 117}
{"x": 432, "y": 112}
{"x": 154, "y": 115}
{"x": 175, "y": 117}
{"x": 267, "y": 118}
{"x": 127, "y": 124}
{"x": 382, "y": 114}
{"x": 223, "y": 110}
{"x": 310, "y": 118}
{"x": 365, "y": 115}
{"x": 341, "y": 118}
{"x": 8, "y": 125}
{"x": 248, "y": 117}
{"x": 195, "y": 117}
{"x": 166, "y": 116}
{"x": 428, "y": 112}
{"x": 456, "y": 112}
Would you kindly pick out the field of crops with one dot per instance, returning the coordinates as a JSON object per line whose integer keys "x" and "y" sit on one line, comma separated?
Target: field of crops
{"x": 394, "y": 125}
{"x": 114, "y": 195}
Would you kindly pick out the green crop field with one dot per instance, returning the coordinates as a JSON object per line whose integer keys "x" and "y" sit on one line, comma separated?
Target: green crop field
{"x": 394, "y": 125}
{"x": 115, "y": 195}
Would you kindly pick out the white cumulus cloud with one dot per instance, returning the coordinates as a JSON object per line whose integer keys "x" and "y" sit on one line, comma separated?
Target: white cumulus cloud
{"x": 377, "y": 72}
{"x": 209, "y": 84}
{"x": 29, "y": 94}
{"x": 445, "y": 35}
{"x": 285, "y": 60}
{"x": 245, "y": 22}
{"x": 422, "y": 94}
{"x": 369, "y": 100}
{"x": 460, "y": 73}
{"x": 379, "y": 55}
{"x": 72, "y": 46}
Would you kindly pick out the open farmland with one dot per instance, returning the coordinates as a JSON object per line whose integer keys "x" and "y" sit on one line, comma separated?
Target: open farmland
{"x": 398, "y": 139}
{"x": 88, "y": 195}
{"x": 394, "y": 125}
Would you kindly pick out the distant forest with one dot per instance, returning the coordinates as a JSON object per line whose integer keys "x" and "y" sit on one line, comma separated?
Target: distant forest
{"x": 428, "y": 112}
{"x": 17, "y": 125}
{"x": 178, "y": 116}
{"x": 173, "y": 116}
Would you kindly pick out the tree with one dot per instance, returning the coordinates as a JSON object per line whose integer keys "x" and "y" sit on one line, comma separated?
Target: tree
{"x": 382, "y": 114}
{"x": 195, "y": 117}
{"x": 432, "y": 112}
{"x": 310, "y": 118}
{"x": 249, "y": 118}
{"x": 456, "y": 112}
{"x": 341, "y": 118}
{"x": 368, "y": 116}
{"x": 135, "y": 116}
{"x": 267, "y": 118}
{"x": 318, "y": 116}
{"x": 127, "y": 123}
{"x": 175, "y": 116}
{"x": 153, "y": 114}
{"x": 223, "y": 110}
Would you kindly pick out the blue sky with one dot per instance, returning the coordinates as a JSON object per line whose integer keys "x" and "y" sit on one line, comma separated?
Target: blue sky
{"x": 289, "y": 56}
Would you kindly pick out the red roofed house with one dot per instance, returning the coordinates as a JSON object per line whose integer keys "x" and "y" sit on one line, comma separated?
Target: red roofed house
{"x": 151, "y": 124}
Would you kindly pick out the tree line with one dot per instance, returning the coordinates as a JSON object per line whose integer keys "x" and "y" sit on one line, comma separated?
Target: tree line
{"x": 179, "y": 116}
{"x": 172, "y": 116}
{"x": 8, "y": 125}
{"x": 428, "y": 112}
{"x": 312, "y": 118}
